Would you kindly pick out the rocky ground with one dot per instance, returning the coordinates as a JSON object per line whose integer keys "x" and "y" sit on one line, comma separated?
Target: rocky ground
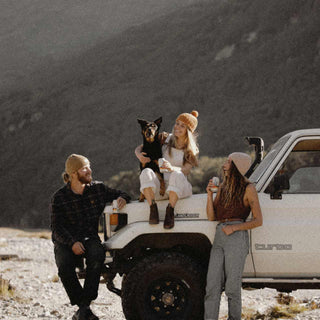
{"x": 38, "y": 292}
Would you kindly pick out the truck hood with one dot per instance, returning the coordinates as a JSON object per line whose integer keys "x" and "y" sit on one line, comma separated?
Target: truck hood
{"x": 191, "y": 208}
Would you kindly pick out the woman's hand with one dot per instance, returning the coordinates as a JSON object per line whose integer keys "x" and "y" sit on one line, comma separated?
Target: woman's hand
{"x": 141, "y": 155}
{"x": 186, "y": 168}
{"x": 228, "y": 229}
{"x": 210, "y": 208}
{"x": 167, "y": 165}
{"x": 142, "y": 158}
{"x": 209, "y": 186}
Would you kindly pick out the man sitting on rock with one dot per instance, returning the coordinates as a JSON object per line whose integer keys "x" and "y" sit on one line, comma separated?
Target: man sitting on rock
{"x": 75, "y": 212}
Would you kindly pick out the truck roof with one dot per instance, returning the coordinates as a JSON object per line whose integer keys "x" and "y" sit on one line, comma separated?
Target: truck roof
{"x": 303, "y": 132}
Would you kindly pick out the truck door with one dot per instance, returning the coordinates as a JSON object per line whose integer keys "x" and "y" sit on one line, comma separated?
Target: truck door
{"x": 288, "y": 243}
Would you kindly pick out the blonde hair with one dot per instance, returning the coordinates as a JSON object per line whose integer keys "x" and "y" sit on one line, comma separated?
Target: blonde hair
{"x": 190, "y": 149}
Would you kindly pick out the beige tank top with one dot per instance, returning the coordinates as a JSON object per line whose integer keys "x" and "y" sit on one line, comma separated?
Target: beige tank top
{"x": 176, "y": 157}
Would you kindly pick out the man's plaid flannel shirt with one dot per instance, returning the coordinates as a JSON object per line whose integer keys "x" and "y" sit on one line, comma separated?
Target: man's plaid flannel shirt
{"x": 75, "y": 217}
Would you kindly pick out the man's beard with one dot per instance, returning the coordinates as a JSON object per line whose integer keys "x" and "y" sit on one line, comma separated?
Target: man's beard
{"x": 85, "y": 178}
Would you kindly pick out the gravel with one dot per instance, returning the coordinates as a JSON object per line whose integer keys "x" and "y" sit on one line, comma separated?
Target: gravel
{"x": 39, "y": 293}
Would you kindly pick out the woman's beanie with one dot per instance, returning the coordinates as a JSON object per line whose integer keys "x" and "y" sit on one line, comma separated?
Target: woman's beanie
{"x": 190, "y": 119}
{"x": 242, "y": 161}
{"x": 73, "y": 163}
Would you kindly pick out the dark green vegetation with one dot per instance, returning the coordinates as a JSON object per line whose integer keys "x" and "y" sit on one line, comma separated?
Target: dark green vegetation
{"x": 199, "y": 177}
{"x": 250, "y": 67}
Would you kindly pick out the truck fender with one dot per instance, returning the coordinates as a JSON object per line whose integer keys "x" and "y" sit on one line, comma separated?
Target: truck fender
{"x": 128, "y": 233}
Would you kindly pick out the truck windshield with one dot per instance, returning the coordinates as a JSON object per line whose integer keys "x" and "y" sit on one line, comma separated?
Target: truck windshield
{"x": 262, "y": 167}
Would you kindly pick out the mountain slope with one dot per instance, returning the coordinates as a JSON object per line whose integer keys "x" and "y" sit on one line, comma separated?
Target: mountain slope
{"x": 249, "y": 67}
{"x": 44, "y": 32}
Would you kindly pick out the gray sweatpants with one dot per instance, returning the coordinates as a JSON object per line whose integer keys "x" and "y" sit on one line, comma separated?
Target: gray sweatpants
{"x": 227, "y": 259}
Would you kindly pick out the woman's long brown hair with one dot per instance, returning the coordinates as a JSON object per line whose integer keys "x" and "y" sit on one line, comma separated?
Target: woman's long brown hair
{"x": 233, "y": 188}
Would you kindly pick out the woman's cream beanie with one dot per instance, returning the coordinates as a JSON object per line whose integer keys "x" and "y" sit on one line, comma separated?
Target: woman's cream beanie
{"x": 242, "y": 161}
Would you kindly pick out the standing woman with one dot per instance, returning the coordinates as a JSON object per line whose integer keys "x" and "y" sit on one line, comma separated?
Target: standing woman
{"x": 235, "y": 199}
{"x": 181, "y": 154}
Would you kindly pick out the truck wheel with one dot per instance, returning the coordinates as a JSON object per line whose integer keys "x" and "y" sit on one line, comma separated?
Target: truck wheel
{"x": 167, "y": 285}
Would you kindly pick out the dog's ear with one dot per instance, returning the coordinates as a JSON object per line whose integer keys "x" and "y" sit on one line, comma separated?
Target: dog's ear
{"x": 158, "y": 121}
{"x": 142, "y": 122}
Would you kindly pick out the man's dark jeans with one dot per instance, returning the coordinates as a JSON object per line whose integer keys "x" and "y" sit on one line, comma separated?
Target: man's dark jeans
{"x": 67, "y": 261}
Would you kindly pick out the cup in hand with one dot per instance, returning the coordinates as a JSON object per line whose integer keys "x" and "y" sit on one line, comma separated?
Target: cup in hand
{"x": 115, "y": 206}
{"x": 161, "y": 162}
{"x": 215, "y": 182}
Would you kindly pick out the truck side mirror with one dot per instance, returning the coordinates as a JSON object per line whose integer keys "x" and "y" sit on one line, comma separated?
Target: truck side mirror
{"x": 279, "y": 183}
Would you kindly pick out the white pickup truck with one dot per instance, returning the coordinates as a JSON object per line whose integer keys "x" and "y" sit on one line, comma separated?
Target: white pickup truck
{"x": 164, "y": 271}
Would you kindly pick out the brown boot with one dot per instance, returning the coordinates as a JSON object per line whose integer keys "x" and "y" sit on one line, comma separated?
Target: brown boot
{"x": 154, "y": 214}
{"x": 169, "y": 219}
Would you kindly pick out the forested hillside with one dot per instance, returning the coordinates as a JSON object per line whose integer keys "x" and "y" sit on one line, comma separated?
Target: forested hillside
{"x": 250, "y": 67}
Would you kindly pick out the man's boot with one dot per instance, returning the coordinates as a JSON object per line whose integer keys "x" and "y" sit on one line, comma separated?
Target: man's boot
{"x": 76, "y": 315}
{"x": 91, "y": 315}
{"x": 169, "y": 219}
{"x": 84, "y": 313}
{"x": 154, "y": 214}
{"x": 81, "y": 314}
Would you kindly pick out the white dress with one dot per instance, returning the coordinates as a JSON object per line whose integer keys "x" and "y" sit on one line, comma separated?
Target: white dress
{"x": 174, "y": 181}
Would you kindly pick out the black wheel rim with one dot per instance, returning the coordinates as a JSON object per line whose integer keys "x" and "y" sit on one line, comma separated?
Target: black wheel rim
{"x": 167, "y": 297}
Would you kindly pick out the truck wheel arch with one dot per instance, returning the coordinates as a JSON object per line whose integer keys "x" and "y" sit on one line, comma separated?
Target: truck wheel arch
{"x": 194, "y": 244}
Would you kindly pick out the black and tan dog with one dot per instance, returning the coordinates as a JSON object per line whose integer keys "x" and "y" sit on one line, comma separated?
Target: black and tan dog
{"x": 152, "y": 143}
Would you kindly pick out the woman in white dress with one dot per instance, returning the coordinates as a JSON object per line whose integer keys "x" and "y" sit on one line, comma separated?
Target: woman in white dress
{"x": 180, "y": 152}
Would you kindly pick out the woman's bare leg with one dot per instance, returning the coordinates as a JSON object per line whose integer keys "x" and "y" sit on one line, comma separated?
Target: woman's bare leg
{"x": 173, "y": 198}
{"x": 149, "y": 195}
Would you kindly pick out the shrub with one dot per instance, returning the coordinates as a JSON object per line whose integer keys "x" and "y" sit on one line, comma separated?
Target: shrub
{"x": 6, "y": 289}
{"x": 128, "y": 181}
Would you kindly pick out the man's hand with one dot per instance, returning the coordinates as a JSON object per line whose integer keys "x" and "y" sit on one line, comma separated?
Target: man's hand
{"x": 78, "y": 248}
{"x": 121, "y": 203}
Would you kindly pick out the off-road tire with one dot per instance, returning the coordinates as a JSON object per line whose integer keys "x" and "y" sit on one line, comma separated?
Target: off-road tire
{"x": 166, "y": 285}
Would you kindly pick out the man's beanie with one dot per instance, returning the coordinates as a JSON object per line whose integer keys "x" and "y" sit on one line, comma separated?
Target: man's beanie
{"x": 190, "y": 119}
{"x": 242, "y": 161}
{"x": 73, "y": 163}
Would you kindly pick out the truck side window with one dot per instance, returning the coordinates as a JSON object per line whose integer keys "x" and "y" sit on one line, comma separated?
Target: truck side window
{"x": 302, "y": 167}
